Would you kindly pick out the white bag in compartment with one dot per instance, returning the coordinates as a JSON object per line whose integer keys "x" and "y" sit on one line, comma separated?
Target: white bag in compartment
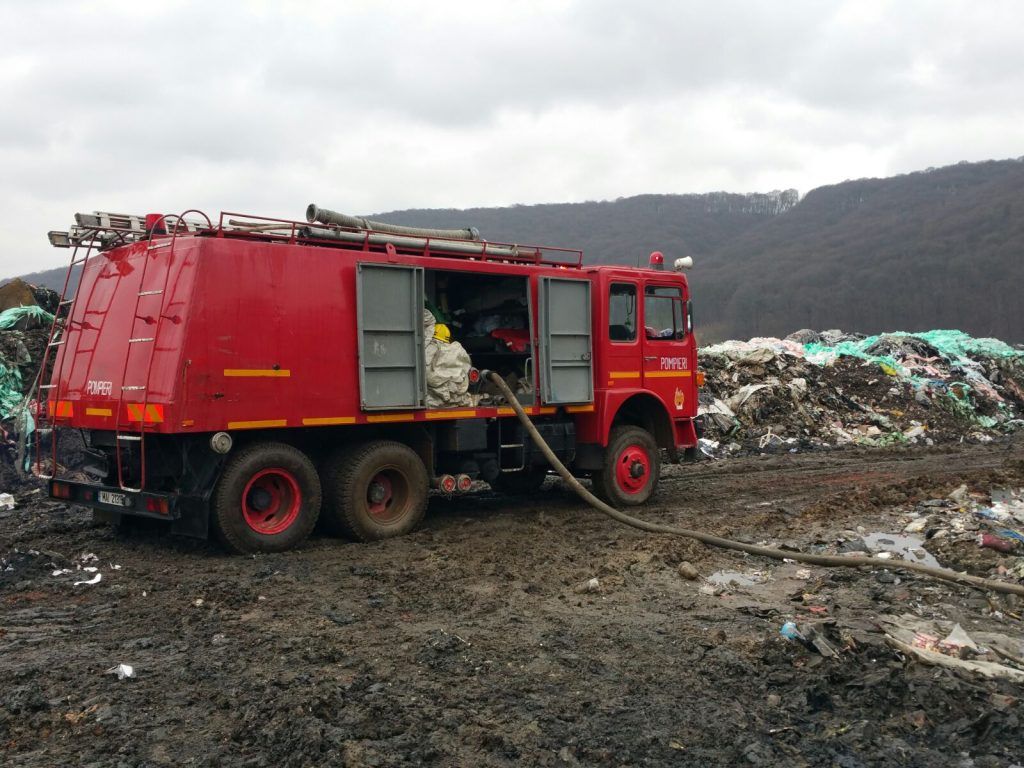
{"x": 447, "y": 366}
{"x": 447, "y": 374}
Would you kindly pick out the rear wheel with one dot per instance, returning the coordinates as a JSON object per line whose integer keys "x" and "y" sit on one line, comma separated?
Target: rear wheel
{"x": 376, "y": 491}
{"x": 267, "y": 499}
{"x": 631, "y": 467}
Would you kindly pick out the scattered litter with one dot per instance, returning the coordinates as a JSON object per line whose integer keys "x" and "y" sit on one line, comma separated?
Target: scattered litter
{"x": 6, "y": 501}
{"x": 94, "y": 580}
{"x": 122, "y": 671}
{"x": 932, "y": 643}
{"x": 803, "y": 573}
{"x": 590, "y": 585}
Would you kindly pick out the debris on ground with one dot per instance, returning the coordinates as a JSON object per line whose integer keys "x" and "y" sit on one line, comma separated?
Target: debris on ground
{"x": 830, "y": 389}
{"x": 940, "y": 644}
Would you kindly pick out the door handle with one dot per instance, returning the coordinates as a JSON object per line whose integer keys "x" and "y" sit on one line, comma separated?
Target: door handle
{"x": 650, "y": 357}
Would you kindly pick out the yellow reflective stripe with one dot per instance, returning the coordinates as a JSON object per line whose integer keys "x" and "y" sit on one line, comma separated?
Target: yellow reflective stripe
{"x": 667, "y": 374}
{"x": 98, "y": 412}
{"x": 257, "y": 424}
{"x": 506, "y": 412}
{"x": 451, "y": 414}
{"x": 275, "y": 373}
{"x": 624, "y": 375}
{"x": 580, "y": 408}
{"x": 323, "y": 421}
{"x": 545, "y": 411}
{"x": 384, "y": 417}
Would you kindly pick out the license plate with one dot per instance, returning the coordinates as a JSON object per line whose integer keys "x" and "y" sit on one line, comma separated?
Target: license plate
{"x": 118, "y": 499}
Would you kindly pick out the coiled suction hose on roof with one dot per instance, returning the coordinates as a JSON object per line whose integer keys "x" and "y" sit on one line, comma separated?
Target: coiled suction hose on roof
{"x": 829, "y": 561}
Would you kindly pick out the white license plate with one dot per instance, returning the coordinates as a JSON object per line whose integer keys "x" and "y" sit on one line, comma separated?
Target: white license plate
{"x": 120, "y": 499}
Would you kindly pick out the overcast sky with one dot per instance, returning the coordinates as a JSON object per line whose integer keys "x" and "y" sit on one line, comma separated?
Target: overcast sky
{"x": 372, "y": 106}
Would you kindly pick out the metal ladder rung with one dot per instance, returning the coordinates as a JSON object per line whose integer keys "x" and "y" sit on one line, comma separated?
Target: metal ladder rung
{"x": 47, "y": 386}
{"x": 512, "y": 445}
{"x": 66, "y": 301}
{"x": 150, "y": 293}
{"x": 55, "y": 343}
{"x": 138, "y": 341}
{"x": 132, "y": 438}
{"x": 130, "y": 490}
{"x": 133, "y": 387}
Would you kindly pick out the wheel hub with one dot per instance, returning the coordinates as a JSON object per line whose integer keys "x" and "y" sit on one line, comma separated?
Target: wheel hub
{"x": 377, "y": 493}
{"x": 633, "y": 469}
{"x": 260, "y": 499}
{"x": 271, "y": 501}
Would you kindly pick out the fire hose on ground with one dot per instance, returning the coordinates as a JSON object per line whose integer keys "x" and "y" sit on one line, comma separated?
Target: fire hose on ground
{"x": 828, "y": 561}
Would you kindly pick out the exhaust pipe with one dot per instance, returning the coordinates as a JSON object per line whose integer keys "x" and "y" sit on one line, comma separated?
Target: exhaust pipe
{"x": 324, "y": 216}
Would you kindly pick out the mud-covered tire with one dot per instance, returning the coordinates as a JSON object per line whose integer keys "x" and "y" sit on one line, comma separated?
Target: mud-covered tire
{"x": 375, "y": 491}
{"x": 631, "y": 468}
{"x": 520, "y": 483}
{"x": 266, "y": 500}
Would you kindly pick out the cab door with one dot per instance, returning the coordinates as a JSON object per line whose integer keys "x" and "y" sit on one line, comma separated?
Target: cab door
{"x": 667, "y": 358}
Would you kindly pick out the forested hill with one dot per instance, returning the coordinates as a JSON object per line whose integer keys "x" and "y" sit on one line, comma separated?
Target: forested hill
{"x": 937, "y": 248}
{"x": 942, "y": 248}
{"x": 621, "y": 231}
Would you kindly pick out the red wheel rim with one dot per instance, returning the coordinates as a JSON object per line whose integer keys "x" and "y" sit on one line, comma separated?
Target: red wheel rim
{"x": 386, "y": 495}
{"x": 633, "y": 469}
{"x": 271, "y": 501}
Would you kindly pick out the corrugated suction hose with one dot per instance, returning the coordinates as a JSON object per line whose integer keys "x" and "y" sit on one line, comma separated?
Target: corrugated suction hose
{"x": 829, "y": 561}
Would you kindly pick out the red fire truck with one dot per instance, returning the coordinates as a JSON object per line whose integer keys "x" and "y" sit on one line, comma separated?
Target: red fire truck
{"x": 251, "y": 376}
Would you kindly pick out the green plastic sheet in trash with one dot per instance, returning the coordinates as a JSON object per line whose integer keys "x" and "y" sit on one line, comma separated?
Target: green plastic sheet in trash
{"x": 10, "y": 390}
{"x": 31, "y": 317}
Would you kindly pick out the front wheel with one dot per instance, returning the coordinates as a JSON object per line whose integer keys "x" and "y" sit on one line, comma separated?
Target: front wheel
{"x": 267, "y": 499}
{"x": 376, "y": 490}
{"x": 632, "y": 465}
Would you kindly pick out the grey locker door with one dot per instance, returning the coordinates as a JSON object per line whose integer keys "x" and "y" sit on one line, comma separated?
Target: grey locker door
{"x": 565, "y": 343}
{"x": 390, "y": 311}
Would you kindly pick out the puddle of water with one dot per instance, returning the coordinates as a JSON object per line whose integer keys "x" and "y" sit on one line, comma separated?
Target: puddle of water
{"x": 735, "y": 579}
{"x": 908, "y": 547}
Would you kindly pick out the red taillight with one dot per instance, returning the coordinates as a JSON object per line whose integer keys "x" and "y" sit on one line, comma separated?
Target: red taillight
{"x": 474, "y": 375}
{"x": 158, "y": 506}
{"x": 447, "y": 483}
{"x": 464, "y": 483}
{"x": 60, "y": 491}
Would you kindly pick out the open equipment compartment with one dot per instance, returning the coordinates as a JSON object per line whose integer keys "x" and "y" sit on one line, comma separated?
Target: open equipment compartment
{"x": 491, "y": 317}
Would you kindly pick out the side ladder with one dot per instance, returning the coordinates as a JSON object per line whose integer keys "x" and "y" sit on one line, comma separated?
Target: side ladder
{"x": 125, "y": 438}
{"x": 49, "y": 408}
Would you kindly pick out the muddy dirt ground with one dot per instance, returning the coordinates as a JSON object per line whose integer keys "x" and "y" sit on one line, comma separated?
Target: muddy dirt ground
{"x": 468, "y": 644}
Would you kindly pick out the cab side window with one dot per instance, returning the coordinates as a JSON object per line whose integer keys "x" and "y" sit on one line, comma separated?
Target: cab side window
{"x": 622, "y": 320}
{"x": 663, "y": 313}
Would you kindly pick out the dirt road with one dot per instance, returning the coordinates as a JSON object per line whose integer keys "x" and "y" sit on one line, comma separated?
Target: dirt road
{"x": 468, "y": 643}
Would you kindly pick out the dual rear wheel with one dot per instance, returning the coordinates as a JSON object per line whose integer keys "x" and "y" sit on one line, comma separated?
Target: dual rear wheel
{"x": 269, "y": 496}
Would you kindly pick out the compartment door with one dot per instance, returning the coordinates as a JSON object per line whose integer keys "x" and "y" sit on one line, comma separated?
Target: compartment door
{"x": 389, "y": 302}
{"x": 567, "y": 374}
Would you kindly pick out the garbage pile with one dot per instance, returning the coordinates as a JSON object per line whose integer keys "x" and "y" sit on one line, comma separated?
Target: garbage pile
{"x": 26, "y": 312}
{"x": 827, "y": 389}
